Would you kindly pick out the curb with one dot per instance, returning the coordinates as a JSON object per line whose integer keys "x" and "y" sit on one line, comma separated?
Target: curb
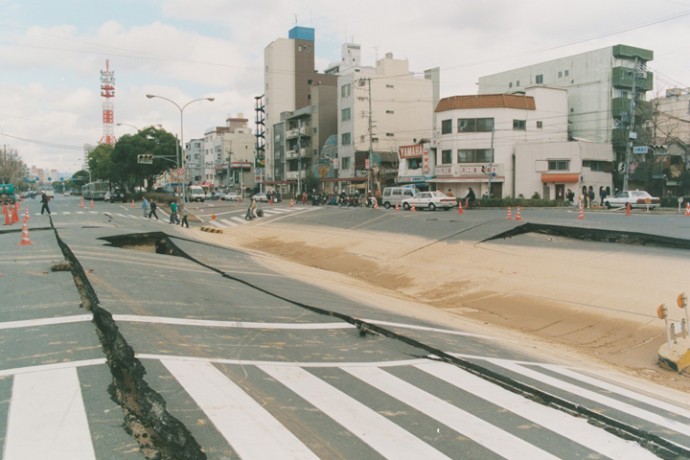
{"x": 211, "y": 229}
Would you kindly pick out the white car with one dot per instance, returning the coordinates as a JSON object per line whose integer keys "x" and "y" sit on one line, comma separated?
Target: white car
{"x": 430, "y": 200}
{"x": 231, "y": 196}
{"x": 636, "y": 198}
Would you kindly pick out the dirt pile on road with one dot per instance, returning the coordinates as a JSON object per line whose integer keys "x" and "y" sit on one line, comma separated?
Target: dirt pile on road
{"x": 593, "y": 299}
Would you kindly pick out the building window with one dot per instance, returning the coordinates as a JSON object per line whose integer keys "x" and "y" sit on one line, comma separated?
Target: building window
{"x": 540, "y": 79}
{"x": 566, "y": 73}
{"x": 475, "y": 156}
{"x": 517, "y": 83}
{"x": 345, "y": 114}
{"x": 560, "y": 74}
{"x": 446, "y": 126}
{"x": 559, "y": 165}
{"x": 540, "y": 124}
{"x": 414, "y": 163}
{"x": 345, "y": 138}
{"x": 390, "y": 112}
{"x": 475, "y": 125}
{"x": 594, "y": 165}
{"x": 390, "y": 134}
{"x": 519, "y": 125}
{"x": 510, "y": 84}
{"x": 446, "y": 157}
{"x": 345, "y": 163}
{"x": 346, "y": 90}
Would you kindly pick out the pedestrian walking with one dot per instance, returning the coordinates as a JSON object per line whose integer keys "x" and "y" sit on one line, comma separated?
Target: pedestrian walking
{"x": 153, "y": 209}
{"x": 145, "y": 207}
{"x": 184, "y": 222}
{"x": 44, "y": 202}
{"x": 173, "y": 213}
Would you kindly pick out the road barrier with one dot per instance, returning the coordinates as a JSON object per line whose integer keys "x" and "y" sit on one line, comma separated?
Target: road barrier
{"x": 675, "y": 353}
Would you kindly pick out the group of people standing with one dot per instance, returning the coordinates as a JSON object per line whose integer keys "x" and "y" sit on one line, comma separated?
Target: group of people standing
{"x": 588, "y": 196}
{"x": 176, "y": 209}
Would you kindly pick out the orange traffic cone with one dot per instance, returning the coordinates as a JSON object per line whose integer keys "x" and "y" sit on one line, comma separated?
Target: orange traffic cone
{"x": 25, "y": 235}
{"x": 509, "y": 215}
{"x": 15, "y": 213}
{"x": 26, "y": 215}
{"x": 517, "y": 214}
{"x": 397, "y": 206}
{"x": 687, "y": 209}
{"x": 581, "y": 213}
{"x": 91, "y": 204}
{"x": 628, "y": 209}
{"x": 6, "y": 212}
{"x": 132, "y": 205}
{"x": 414, "y": 209}
{"x": 81, "y": 202}
{"x": 460, "y": 211}
{"x": 376, "y": 204}
{"x": 292, "y": 202}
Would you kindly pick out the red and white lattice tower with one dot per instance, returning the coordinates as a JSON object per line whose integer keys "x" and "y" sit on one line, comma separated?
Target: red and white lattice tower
{"x": 108, "y": 92}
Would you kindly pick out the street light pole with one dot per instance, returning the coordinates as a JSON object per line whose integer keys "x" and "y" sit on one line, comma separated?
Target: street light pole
{"x": 177, "y": 147}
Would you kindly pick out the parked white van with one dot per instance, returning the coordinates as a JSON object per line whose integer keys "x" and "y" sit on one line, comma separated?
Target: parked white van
{"x": 393, "y": 196}
{"x": 196, "y": 193}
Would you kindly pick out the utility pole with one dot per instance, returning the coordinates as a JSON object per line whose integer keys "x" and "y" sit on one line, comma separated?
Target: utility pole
{"x": 631, "y": 134}
{"x": 371, "y": 140}
{"x": 491, "y": 162}
{"x": 299, "y": 155}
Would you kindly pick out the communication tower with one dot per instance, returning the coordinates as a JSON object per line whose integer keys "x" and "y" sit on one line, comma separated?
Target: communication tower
{"x": 108, "y": 92}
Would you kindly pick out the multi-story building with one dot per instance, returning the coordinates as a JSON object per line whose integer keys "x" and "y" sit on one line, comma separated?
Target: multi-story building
{"x": 606, "y": 90}
{"x": 380, "y": 109}
{"x": 228, "y": 155}
{"x": 508, "y": 145}
{"x": 289, "y": 74}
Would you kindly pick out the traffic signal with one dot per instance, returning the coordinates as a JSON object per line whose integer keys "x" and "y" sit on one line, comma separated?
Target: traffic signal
{"x": 483, "y": 169}
{"x": 145, "y": 158}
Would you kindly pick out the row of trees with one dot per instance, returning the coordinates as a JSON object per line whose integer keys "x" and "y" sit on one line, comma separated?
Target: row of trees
{"x": 119, "y": 164}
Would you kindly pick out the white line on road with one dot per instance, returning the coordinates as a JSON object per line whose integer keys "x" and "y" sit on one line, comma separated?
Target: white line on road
{"x": 47, "y": 418}
{"x": 249, "y": 428}
{"x": 573, "y": 428}
{"x": 480, "y": 431}
{"x": 230, "y": 324}
{"x": 45, "y": 321}
{"x": 386, "y": 437}
{"x": 50, "y": 367}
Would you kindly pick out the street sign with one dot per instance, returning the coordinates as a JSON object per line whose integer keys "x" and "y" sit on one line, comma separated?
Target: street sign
{"x": 640, "y": 149}
{"x": 180, "y": 171}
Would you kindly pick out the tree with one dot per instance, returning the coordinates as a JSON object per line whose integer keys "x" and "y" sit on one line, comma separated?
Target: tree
{"x": 127, "y": 172}
{"x": 12, "y": 168}
{"x": 100, "y": 162}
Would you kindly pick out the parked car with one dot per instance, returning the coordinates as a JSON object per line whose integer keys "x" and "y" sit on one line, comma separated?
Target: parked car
{"x": 394, "y": 196}
{"x": 196, "y": 193}
{"x": 636, "y": 198}
{"x": 430, "y": 200}
{"x": 231, "y": 196}
{"x": 262, "y": 197}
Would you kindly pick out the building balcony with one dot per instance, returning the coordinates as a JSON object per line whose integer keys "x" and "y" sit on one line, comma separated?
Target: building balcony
{"x": 296, "y": 132}
{"x": 622, "y": 77}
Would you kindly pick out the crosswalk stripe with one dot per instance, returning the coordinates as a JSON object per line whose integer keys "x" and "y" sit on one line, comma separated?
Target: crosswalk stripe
{"x": 573, "y": 428}
{"x": 475, "y": 428}
{"x": 240, "y": 419}
{"x": 47, "y": 418}
{"x": 389, "y": 439}
{"x": 239, "y": 220}
{"x": 229, "y": 223}
{"x": 618, "y": 390}
{"x": 593, "y": 396}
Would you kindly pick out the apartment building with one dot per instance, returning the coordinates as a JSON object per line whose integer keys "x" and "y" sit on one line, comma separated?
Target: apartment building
{"x": 380, "y": 109}
{"x": 510, "y": 145}
{"x": 606, "y": 88}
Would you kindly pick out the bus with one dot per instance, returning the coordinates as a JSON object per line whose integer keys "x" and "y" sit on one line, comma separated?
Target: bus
{"x": 94, "y": 190}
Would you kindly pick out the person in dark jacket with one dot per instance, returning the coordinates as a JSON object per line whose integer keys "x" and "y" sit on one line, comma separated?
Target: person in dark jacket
{"x": 44, "y": 202}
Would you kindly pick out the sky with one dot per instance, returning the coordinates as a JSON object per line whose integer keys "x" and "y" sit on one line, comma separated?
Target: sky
{"x": 52, "y": 52}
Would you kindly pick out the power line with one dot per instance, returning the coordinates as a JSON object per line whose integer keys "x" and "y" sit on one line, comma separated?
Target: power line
{"x": 47, "y": 144}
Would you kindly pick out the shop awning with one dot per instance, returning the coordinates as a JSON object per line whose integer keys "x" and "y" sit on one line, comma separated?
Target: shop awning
{"x": 561, "y": 178}
{"x": 465, "y": 180}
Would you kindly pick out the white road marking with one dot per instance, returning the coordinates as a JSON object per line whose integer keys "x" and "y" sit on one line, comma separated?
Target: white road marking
{"x": 386, "y": 437}
{"x": 50, "y": 367}
{"x": 573, "y": 428}
{"x": 230, "y": 324}
{"x": 480, "y": 431}
{"x": 45, "y": 321}
{"x": 47, "y": 418}
{"x": 249, "y": 428}
{"x": 593, "y": 396}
